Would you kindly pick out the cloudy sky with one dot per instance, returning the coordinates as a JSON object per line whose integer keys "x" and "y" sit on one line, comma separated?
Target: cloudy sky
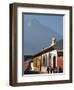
{"x": 38, "y": 31}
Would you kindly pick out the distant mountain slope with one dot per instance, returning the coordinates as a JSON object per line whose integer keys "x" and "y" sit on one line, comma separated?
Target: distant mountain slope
{"x": 59, "y": 45}
{"x": 38, "y": 36}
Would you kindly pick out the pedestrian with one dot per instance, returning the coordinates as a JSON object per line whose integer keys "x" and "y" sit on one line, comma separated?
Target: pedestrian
{"x": 48, "y": 69}
{"x": 51, "y": 70}
{"x": 60, "y": 70}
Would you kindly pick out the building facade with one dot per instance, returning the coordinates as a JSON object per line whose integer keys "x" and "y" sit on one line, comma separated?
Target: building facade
{"x": 48, "y": 60}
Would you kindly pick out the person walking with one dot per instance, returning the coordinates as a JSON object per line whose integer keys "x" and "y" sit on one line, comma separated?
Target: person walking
{"x": 48, "y": 69}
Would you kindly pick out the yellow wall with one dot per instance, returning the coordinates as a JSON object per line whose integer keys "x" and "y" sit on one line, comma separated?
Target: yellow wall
{"x": 37, "y": 63}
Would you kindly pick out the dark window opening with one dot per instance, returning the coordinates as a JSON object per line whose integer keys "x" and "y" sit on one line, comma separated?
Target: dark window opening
{"x": 54, "y": 62}
{"x": 45, "y": 60}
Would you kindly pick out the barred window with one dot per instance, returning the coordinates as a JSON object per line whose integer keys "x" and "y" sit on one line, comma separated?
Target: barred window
{"x": 45, "y": 60}
{"x": 50, "y": 60}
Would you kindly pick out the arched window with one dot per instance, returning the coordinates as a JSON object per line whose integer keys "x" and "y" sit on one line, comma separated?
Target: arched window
{"x": 45, "y": 60}
{"x": 50, "y": 60}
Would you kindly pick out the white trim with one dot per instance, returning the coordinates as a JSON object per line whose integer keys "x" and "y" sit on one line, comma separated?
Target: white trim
{"x": 42, "y": 77}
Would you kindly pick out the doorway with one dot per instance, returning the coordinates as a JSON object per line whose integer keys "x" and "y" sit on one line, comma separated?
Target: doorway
{"x": 54, "y": 62}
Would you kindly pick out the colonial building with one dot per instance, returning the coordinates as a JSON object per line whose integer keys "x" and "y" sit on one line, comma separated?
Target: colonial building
{"x": 49, "y": 59}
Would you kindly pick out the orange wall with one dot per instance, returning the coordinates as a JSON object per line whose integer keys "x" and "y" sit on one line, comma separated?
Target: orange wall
{"x": 60, "y": 62}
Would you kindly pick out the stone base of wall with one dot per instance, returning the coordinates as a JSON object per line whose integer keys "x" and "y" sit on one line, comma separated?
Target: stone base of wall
{"x": 43, "y": 69}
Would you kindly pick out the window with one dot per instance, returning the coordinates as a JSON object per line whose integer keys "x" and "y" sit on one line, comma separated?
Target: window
{"x": 54, "y": 61}
{"x": 50, "y": 60}
{"x": 45, "y": 60}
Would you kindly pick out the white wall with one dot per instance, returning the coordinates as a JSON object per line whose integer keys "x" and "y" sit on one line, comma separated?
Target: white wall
{"x": 4, "y": 46}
